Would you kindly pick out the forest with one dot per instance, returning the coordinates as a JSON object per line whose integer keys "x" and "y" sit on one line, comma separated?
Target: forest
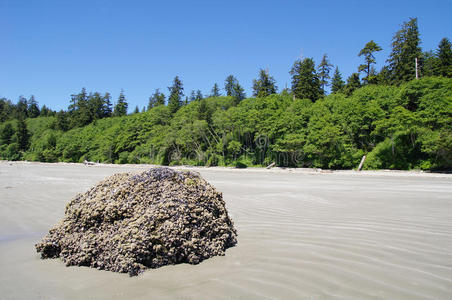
{"x": 400, "y": 117}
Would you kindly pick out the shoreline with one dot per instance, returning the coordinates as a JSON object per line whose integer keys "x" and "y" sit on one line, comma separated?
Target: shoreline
{"x": 312, "y": 171}
{"x": 301, "y": 234}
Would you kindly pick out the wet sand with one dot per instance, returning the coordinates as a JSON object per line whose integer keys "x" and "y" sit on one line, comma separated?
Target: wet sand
{"x": 302, "y": 234}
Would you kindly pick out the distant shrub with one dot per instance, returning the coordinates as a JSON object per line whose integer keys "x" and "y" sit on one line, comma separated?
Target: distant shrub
{"x": 240, "y": 165}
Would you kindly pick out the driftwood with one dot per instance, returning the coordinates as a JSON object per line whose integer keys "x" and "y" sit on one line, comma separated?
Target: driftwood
{"x": 271, "y": 165}
{"x": 361, "y": 163}
{"x": 89, "y": 163}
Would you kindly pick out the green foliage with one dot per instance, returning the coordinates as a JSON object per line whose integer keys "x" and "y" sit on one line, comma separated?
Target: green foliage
{"x": 46, "y": 112}
{"x": 6, "y": 109}
{"x": 62, "y": 122}
{"x": 353, "y": 83}
{"x": 405, "y": 48}
{"x": 86, "y": 108}
{"x": 337, "y": 84}
{"x": 240, "y": 165}
{"x": 23, "y": 135}
{"x": 6, "y": 134}
{"x": 384, "y": 77}
{"x": 22, "y": 108}
{"x": 444, "y": 54}
{"x": 369, "y": 58}
{"x": 33, "y": 108}
{"x": 121, "y": 106}
{"x": 234, "y": 89}
{"x": 10, "y": 152}
{"x": 156, "y": 99}
{"x": 324, "y": 69}
{"x": 238, "y": 93}
{"x": 305, "y": 80}
{"x": 215, "y": 91}
{"x": 199, "y": 95}
{"x": 78, "y": 110}
{"x": 429, "y": 64}
{"x": 176, "y": 94}
{"x": 265, "y": 85}
{"x": 398, "y": 122}
{"x": 396, "y": 127}
{"x": 229, "y": 83}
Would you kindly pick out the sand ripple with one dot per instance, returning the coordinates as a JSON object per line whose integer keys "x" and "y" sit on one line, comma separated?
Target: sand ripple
{"x": 300, "y": 237}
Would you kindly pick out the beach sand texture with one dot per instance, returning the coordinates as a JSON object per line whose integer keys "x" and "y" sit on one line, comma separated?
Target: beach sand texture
{"x": 301, "y": 235}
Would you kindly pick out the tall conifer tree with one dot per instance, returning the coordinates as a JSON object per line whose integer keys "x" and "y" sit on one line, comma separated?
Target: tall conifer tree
{"x": 199, "y": 96}
{"x": 33, "y": 107}
{"x": 323, "y": 70}
{"x": 444, "y": 54}
{"x": 215, "y": 91}
{"x": 176, "y": 94}
{"x": 23, "y": 136}
{"x": 121, "y": 106}
{"x": 368, "y": 52}
{"x": 405, "y": 49}
{"x": 305, "y": 80}
{"x": 337, "y": 84}
{"x": 156, "y": 99}
{"x": 229, "y": 85}
{"x": 238, "y": 93}
{"x": 265, "y": 85}
{"x": 353, "y": 83}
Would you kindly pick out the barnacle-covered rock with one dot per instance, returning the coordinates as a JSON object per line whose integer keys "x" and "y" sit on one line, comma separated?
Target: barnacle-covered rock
{"x": 130, "y": 222}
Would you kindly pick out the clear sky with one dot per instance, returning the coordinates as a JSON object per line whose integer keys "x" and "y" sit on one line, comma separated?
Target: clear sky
{"x": 51, "y": 49}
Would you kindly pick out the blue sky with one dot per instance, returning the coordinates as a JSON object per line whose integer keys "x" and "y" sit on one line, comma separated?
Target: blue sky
{"x": 51, "y": 49}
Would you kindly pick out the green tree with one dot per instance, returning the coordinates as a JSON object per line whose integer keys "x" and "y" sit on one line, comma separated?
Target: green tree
{"x": 156, "y": 99}
{"x": 384, "y": 76}
{"x": 372, "y": 78}
{"x": 6, "y": 109}
{"x": 62, "y": 122}
{"x": 215, "y": 91}
{"x": 22, "y": 108}
{"x": 45, "y": 111}
{"x": 76, "y": 99}
{"x": 229, "y": 85}
{"x": 176, "y": 94}
{"x": 368, "y": 52}
{"x": 121, "y": 105}
{"x": 33, "y": 107}
{"x": 199, "y": 95}
{"x": 79, "y": 110}
{"x": 192, "y": 96}
{"x": 337, "y": 84}
{"x": 136, "y": 110}
{"x": 7, "y": 134}
{"x": 95, "y": 106}
{"x": 405, "y": 49}
{"x": 106, "y": 106}
{"x": 23, "y": 136}
{"x": 305, "y": 80}
{"x": 323, "y": 70}
{"x": 429, "y": 64}
{"x": 444, "y": 54}
{"x": 238, "y": 93}
{"x": 353, "y": 83}
{"x": 265, "y": 85}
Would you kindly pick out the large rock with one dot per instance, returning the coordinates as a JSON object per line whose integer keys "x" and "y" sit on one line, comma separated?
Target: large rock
{"x": 130, "y": 222}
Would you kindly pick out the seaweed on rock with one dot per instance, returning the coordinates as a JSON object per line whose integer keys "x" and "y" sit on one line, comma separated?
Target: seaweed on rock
{"x": 130, "y": 222}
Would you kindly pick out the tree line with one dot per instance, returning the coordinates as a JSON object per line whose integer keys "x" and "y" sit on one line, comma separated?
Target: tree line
{"x": 310, "y": 82}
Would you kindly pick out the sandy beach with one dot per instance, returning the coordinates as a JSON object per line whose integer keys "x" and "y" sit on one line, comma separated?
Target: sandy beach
{"x": 302, "y": 234}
